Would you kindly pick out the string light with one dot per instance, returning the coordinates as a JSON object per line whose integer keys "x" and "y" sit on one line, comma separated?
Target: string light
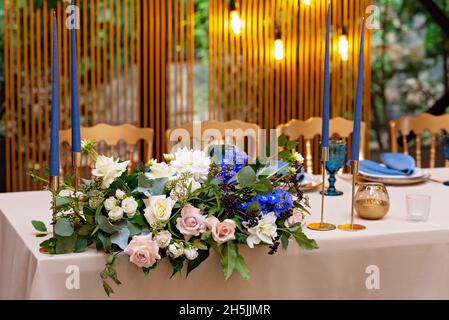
{"x": 279, "y": 53}
{"x": 236, "y": 22}
{"x": 307, "y": 2}
{"x": 343, "y": 45}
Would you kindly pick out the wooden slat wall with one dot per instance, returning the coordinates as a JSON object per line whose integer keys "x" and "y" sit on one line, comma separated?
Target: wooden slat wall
{"x": 136, "y": 65}
{"x": 108, "y": 44}
{"x": 245, "y": 81}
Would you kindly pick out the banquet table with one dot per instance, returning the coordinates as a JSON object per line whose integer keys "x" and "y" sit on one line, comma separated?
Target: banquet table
{"x": 407, "y": 260}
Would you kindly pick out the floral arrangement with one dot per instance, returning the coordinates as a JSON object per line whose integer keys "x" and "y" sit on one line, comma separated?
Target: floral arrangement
{"x": 181, "y": 208}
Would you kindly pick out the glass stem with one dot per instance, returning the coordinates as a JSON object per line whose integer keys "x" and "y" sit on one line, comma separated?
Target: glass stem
{"x": 332, "y": 181}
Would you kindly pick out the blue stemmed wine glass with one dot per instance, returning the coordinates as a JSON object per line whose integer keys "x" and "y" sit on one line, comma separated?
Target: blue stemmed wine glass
{"x": 446, "y": 152}
{"x": 337, "y": 158}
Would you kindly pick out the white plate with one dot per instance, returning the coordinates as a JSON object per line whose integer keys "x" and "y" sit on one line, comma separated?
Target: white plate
{"x": 419, "y": 173}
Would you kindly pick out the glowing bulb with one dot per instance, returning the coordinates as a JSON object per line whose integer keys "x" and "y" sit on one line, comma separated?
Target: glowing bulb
{"x": 307, "y": 2}
{"x": 343, "y": 47}
{"x": 236, "y": 23}
{"x": 279, "y": 49}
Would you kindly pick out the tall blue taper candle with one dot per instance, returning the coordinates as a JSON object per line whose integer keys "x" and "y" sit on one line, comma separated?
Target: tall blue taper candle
{"x": 359, "y": 99}
{"x": 54, "y": 139}
{"x": 326, "y": 104}
{"x": 76, "y": 136}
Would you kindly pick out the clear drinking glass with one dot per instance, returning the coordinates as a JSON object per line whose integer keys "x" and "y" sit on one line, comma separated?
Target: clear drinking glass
{"x": 418, "y": 207}
{"x": 337, "y": 157}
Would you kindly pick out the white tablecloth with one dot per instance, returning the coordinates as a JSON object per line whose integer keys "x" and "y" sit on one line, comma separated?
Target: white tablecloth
{"x": 412, "y": 258}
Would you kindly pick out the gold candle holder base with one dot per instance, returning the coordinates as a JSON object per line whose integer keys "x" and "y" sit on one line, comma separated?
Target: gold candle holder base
{"x": 351, "y": 227}
{"x": 322, "y": 226}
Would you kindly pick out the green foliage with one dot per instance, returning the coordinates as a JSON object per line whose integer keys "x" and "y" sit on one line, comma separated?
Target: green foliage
{"x": 39, "y": 226}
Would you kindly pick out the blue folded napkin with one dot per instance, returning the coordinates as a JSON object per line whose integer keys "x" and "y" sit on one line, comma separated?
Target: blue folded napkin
{"x": 394, "y": 164}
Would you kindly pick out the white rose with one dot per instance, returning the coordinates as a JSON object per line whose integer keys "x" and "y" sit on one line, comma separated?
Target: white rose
{"x": 108, "y": 169}
{"x": 160, "y": 170}
{"x": 191, "y": 253}
{"x": 175, "y": 250}
{"x": 129, "y": 205}
{"x": 192, "y": 161}
{"x": 163, "y": 239}
{"x": 115, "y": 214}
{"x": 158, "y": 210}
{"x": 110, "y": 203}
{"x": 265, "y": 231}
{"x": 119, "y": 194}
{"x": 298, "y": 157}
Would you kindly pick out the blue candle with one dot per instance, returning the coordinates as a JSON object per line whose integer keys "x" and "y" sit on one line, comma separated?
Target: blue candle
{"x": 325, "y": 125}
{"x": 76, "y": 136}
{"x": 359, "y": 99}
{"x": 54, "y": 138}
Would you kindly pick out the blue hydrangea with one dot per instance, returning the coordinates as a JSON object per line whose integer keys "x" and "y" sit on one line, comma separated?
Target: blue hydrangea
{"x": 279, "y": 202}
{"x": 232, "y": 161}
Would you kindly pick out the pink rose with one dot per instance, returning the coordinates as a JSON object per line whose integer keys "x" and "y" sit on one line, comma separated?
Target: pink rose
{"x": 295, "y": 218}
{"x": 143, "y": 251}
{"x": 191, "y": 222}
{"x": 221, "y": 231}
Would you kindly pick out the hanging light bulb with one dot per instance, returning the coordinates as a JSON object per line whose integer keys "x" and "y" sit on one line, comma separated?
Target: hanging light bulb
{"x": 343, "y": 45}
{"x": 307, "y": 2}
{"x": 236, "y": 22}
{"x": 279, "y": 53}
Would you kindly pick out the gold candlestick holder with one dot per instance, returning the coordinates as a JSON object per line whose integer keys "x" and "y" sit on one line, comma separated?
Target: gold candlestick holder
{"x": 352, "y": 227}
{"x": 323, "y": 226}
{"x": 76, "y": 165}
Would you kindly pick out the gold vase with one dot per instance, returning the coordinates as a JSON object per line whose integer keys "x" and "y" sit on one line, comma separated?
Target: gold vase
{"x": 372, "y": 201}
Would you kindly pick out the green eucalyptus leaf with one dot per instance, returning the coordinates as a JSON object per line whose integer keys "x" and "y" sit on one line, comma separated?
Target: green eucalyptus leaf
{"x": 65, "y": 244}
{"x": 134, "y": 229}
{"x": 105, "y": 225}
{"x": 39, "y": 226}
{"x": 62, "y": 201}
{"x": 263, "y": 186}
{"x": 63, "y": 227}
{"x": 247, "y": 176}
{"x": 80, "y": 244}
{"x": 121, "y": 237}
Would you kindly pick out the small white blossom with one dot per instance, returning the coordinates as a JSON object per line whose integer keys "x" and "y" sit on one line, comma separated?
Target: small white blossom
{"x": 265, "y": 231}
{"x": 119, "y": 194}
{"x": 110, "y": 203}
{"x": 129, "y": 206}
{"x": 191, "y": 253}
{"x": 175, "y": 250}
{"x": 163, "y": 239}
{"x": 116, "y": 214}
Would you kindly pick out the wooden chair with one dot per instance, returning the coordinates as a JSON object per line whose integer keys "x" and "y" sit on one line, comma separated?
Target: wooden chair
{"x": 419, "y": 125}
{"x": 118, "y": 141}
{"x": 199, "y": 135}
{"x": 308, "y": 133}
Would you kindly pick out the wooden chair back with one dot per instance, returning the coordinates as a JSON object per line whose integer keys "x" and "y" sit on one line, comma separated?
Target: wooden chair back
{"x": 308, "y": 134}
{"x": 419, "y": 125}
{"x": 198, "y": 135}
{"x": 119, "y": 141}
